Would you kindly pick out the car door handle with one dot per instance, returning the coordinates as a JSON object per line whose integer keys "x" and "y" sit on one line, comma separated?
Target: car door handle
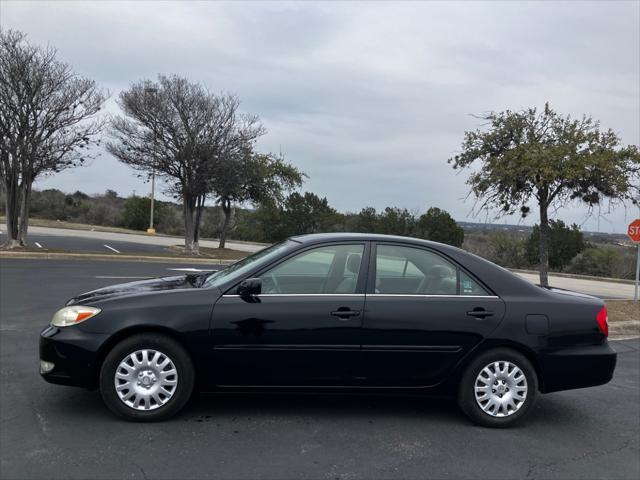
{"x": 480, "y": 313}
{"x": 345, "y": 313}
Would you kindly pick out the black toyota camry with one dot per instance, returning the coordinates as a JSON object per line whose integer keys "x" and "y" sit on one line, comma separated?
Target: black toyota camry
{"x": 333, "y": 311}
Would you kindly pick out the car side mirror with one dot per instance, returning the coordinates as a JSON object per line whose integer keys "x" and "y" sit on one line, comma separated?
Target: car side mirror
{"x": 250, "y": 287}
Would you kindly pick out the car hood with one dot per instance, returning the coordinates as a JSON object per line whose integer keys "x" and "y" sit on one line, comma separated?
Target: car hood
{"x": 138, "y": 287}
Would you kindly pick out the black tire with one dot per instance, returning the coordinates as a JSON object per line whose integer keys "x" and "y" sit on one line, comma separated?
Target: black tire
{"x": 168, "y": 347}
{"x": 466, "y": 391}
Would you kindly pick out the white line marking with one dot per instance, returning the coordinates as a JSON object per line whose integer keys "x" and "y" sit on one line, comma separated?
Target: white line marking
{"x": 111, "y": 248}
{"x": 116, "y": 276}
{"x": 191, "y": 269}
{"x": 38, "y": 245}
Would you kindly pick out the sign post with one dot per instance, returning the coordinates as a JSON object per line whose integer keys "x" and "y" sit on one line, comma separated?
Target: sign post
{"x": 634, "y": 234}
{"x": 635, "y": 291}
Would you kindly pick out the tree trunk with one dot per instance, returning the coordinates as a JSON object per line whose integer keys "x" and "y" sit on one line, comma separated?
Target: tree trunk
{"x": 544, "y": 246}
{"x": 25, "y": 205}
{"x": 226, "y": 209}
{"x": 198, "y": 215}
{"x": 12, "y": 210}
{"x": 190, "y": 242}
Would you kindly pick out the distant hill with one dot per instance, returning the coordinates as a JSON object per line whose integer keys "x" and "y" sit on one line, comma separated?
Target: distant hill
{"x": 596, "y": 237}
{"x": 475, "y": 226}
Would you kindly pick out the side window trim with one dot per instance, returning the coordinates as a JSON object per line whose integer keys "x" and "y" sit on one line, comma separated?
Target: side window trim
{"x": 360, "y": 284}
{"x": 371, "y": 277}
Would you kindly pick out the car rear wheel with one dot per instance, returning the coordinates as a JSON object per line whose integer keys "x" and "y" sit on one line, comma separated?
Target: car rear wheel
{"x": 146, "y": 377}
{"x": 498, "y": 388}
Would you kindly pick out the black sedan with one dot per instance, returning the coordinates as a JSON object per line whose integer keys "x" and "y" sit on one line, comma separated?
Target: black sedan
{"x": 333, "y": 311}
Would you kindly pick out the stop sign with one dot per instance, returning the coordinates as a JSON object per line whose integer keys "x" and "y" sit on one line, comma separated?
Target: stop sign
{"x": 634, "y": 230}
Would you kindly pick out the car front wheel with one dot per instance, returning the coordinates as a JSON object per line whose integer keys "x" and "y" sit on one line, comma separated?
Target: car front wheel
{"x": 146, "y": 377}
{"x": 498, "y": 388}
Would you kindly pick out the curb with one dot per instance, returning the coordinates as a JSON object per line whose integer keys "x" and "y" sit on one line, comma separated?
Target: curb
{"x": 111, "y": 258}
{"x": 576, "y": 276}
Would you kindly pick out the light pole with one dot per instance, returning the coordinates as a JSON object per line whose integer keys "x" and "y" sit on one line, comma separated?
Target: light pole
{"x": 152, "y": 231}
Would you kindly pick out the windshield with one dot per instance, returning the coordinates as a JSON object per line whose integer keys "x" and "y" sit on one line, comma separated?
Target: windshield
{"x": 236, "y": 271}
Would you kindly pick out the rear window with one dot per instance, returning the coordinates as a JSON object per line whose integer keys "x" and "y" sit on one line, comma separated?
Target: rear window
{"x": 468, "y": 286}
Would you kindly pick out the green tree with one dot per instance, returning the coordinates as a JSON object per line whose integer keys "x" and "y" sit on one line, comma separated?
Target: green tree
{"x": 111, "y": 194}
{"x": 251, "y": 177}
{"x": 395, "y": 221}
{"x": 51, "y": 204}
{"x": 506, "y": 249}
{"x": 135, "y": 214}
{"x": 366, "y": 221}
{"x": 564, "y": 244}
{"x": 599, "y": 262}
{"x": 549, "y": 159}
{"x": 270, "y": 222}
{"x": 439, "y": 226}
{"x": 307, "y": 213}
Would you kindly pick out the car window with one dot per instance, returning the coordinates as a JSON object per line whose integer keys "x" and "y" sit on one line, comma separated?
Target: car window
{"x": 468, "y": 286}
{"x": 391, "y": 266}
{"x": 239, "y": 269}
{"x": 407, "y": 270}
{"x": 324, "y": 270}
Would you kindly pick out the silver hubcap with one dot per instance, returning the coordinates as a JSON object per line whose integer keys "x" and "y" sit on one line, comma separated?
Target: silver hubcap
{"x": 146, "y": 379}
{"x": 501, "y": 389}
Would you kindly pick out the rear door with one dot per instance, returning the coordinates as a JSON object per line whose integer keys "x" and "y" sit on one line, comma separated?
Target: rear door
{"x": 424, "y": 313}
{"x": 303, "y": 329}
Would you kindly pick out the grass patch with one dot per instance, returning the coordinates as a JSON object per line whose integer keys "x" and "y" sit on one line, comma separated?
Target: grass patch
{"x": 623, "y": 310}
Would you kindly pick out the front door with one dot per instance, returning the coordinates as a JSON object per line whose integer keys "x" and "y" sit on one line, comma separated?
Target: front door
{"x": 424, "y": 313}
{"x": 302, "y": 330}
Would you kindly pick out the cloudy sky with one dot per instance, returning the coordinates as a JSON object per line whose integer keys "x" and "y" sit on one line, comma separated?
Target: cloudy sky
{"x": 370, "y": 99}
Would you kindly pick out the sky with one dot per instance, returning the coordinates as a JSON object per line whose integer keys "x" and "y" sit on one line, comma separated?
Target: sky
{"x": 369, "y": 99}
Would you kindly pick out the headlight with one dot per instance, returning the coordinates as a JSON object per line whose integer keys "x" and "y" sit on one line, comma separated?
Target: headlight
{"x": 71, "y": 315}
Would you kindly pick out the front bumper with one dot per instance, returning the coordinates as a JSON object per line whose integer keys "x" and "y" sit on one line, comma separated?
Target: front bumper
{"x": 73, "y": 354}
{"x": 576, "y": 367}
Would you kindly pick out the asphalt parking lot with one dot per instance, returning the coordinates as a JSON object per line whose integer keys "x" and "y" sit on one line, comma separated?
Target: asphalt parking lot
{"x": 79, "y": 244}
{"x": 48, "y": 431}
{"x": 105, "y": 242}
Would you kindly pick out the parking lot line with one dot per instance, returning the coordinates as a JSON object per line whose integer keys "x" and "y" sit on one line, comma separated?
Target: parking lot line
{"x": 111, "y": 248}
{"x": 195, "y": 270}
{"x": 119, "y": 276}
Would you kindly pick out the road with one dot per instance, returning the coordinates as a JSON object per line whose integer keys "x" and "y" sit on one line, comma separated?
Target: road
{"x": 83, "y": 240}
{"x": 49, "y": 431}
{"x": 599, "y": 288}
{"x": 85, "y": 245}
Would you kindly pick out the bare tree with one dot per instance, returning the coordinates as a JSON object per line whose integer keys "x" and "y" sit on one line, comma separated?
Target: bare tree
{"x": 47, "y": 122}
{"x": 180, "y": 131}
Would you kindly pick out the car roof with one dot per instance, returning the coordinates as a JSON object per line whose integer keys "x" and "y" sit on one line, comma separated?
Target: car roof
{"x": 347, "y": 236}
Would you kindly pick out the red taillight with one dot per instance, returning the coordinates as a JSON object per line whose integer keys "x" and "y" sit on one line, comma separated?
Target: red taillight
{"x": 602, "y": 319}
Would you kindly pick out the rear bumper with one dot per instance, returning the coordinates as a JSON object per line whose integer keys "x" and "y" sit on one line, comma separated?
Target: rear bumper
{"x": 576, "y": 367}
{"x": 73, "y": 353}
